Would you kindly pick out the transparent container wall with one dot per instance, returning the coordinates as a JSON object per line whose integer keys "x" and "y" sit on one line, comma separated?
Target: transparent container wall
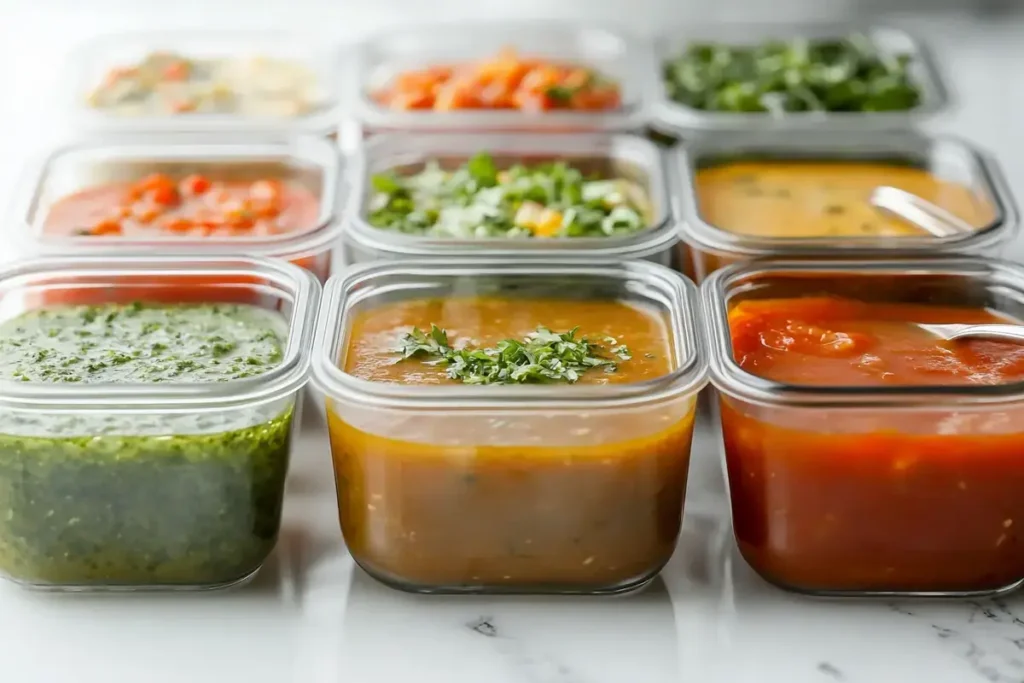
{"x": 378, "y": 61}
{"x": 947, "y": 159}
{"x": 608, "y": 156}
{"x": 514, "y": 497}
{"x": 307, "y": 162}
{"x": 92, "y": 62}
{"x": 674, "y": 118}
{"x": 180, "y": 497}
{"x": 834, "y": 498}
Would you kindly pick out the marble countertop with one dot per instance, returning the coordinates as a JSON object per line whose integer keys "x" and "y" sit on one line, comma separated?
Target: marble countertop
{"x": 312, "y": 617}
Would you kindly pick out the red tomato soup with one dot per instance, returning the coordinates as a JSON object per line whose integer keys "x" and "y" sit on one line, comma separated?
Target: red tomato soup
{"x": 869, "y": 499}
{"x": 192, "y": 206}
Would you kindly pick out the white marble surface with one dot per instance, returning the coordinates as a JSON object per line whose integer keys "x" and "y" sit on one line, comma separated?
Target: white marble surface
{"x": 311, "y": 617}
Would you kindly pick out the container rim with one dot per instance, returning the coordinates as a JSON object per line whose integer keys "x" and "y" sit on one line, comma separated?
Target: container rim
{"x": 321, "y": 56}
{"x": 633, "y": 59}
{"x": 728, "y": 377}
{"x": 656, "y": 237}
{"x": 290, "y": 281}
{"x": 700, "y": 234}
{"x": 165, "y": 147}
{"x": 674, "y": 118}
{"x": 355, "y": 285}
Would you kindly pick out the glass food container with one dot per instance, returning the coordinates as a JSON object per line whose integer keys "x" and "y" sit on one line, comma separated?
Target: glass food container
{"x": 374, "y": 62}
{"x": 309, "y": 163}
{"x": 708, "y": 247}
{"x": 169, "y": 484}
{"x": 528, "y": 488}
{"x": 868, "y": 489}
{"x": 672, "y": 118}
{"x": 627, "y": 156}
{"x": 269, "y": 63}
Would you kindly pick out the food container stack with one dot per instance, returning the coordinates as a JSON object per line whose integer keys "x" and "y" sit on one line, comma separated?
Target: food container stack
{"x": 501, "y": 217}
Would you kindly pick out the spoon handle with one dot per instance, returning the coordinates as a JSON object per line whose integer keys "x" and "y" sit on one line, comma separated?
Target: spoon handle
{"x": 920, "y": 212}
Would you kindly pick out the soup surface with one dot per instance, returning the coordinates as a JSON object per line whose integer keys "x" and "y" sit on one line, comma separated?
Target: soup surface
{"x": 874, "y": 499}
{"x": 509, "y": 498}
{"x": 193, "y": 206}
{"x": 823, "y": 199}
{"x": 841, "y": 342}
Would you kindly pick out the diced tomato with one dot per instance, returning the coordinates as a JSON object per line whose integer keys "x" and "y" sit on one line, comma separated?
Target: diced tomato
{"x": 195, "y": 185}
{"x": 164, "y": 195}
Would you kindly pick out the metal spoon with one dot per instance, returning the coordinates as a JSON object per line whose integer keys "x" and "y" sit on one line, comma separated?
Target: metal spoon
{"x": 919, "y": 212}
{"x": 994, "y": 331}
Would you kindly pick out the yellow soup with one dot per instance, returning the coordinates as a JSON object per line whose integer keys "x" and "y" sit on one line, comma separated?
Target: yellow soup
{"x": 571, "y": 500}
{"x": 823, "y": 199}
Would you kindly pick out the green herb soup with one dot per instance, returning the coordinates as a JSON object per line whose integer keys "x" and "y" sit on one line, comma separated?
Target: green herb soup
{"x": 149, "y": 499}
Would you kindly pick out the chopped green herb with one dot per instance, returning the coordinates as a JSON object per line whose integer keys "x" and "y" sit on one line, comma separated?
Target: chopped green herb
{"x": 849, "y": 74}
{"x": 542, "y": 356}
{"x": 477, "y": 200}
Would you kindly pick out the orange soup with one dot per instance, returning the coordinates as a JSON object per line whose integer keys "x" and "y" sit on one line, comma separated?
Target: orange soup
{"x": 511, "y": 498}
{"x": 823, "y": 199}
{"x": 851, "y": 500}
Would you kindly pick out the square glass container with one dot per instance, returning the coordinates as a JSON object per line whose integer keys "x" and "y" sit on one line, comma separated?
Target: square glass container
{"x": 946, "y": 158}
{"x": 535, "y": 488}
{"x": 865, "y": 490}
{"x": 90, "y": 64}
{"x": 626, "y": 156}
{"x": 169, "y": 485}
{"x": 309, "y": 162}
{"x": 673, "y": 118}
{"x": 378, "y": 59}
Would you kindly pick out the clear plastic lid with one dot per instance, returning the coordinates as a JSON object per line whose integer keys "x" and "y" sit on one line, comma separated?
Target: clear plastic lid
{"x": 310, "y": 162}
{"x": 375, "y": 61}
{"x": 92, "y": 63}
{"x": 626, "y": 156}
{"x": 672, "y": 117}
{"x": 946, "y": 158}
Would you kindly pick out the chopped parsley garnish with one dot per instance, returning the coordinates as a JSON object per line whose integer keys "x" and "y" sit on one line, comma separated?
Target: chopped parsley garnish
{"x": 477, "y": 200}
{"x": 540, "y": 357}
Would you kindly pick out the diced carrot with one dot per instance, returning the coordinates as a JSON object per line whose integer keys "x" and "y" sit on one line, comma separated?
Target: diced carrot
{"x": 146, "y": 213}
{"x": 178, "y": 224}
{"x": 176, "y": 71}
{"x": 195, "y": 184}
{"x": 107, "y": 227}
{"x": 182, "y": 106}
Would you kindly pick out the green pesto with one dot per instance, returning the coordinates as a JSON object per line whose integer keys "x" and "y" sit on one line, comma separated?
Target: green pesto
{"x": 139, "y": 343}
{"x": 149, "y": 500}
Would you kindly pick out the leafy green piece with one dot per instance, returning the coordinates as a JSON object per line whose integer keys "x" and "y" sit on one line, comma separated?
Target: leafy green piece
{"x": 482, "y": 169}
{"x": 849, "y": 74}
{"x": 477, "y": 200}
{"x": 541, "y": 357}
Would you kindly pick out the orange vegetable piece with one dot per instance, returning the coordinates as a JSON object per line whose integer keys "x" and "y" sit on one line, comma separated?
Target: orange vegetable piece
{"x": 195, "y": 184}
{"x": 107, "y": 227}
{"x": 178, "y": 224}
{"x": 176, "y": 71}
